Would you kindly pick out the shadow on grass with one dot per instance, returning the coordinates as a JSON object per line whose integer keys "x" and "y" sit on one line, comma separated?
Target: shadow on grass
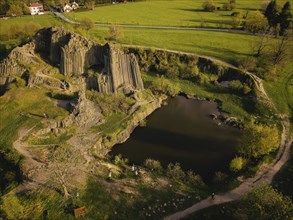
{"x": 190, "y": 10}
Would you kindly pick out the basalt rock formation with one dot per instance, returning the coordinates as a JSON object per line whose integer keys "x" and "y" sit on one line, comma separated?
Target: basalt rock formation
{"x": 107, "y": 69}
{"x": 102, "y": 67}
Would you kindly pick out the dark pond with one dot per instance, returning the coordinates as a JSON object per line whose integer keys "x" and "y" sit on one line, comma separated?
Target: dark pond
{"x": 183, "y": 132}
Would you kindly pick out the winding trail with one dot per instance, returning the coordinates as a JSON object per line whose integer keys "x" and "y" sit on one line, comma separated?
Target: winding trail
{"x": 264, "y": 176}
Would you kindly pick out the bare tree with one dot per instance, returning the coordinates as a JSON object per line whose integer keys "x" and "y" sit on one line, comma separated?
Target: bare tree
{"x": 262, "y": 42}
{"x": 282, "y": 50}
{"x": 63, "y": 166}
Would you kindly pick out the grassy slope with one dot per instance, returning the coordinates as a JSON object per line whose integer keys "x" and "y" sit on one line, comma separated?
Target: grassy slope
{"x": 166, "y": 13}
{"x": 226, "y": 46}
{"x": 28, "y": 101}
{"x": 281, "y": 92}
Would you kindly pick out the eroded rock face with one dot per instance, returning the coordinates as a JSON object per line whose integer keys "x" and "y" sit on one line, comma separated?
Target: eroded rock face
{"x": 18, "y": 60}
{"x": 111, "y": 69}
{"x": 104, "y": 67}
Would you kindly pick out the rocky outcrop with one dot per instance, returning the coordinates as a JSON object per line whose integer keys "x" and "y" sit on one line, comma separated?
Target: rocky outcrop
{"x": 4, "y": 83}
{"x": 18, "y": 60}
{"x": 85, "y": 114}
{"x": 105, "y": 68}
{"x": 111, "y": 69}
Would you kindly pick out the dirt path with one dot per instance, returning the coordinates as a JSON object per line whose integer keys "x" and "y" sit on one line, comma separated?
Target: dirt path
{"x": 30, "y": 165}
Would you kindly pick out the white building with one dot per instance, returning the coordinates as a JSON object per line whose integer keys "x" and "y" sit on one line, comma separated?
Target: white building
{"x": 67, "y": 8}
{"x": 36, "y": 8}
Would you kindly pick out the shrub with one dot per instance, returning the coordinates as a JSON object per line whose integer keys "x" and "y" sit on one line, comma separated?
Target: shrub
{"x": 237, "y": 164}
{"x": 264, "y": 202}
{"x": 162, "y": 85}
{"x": 153, "y": 164}
{"x": 194, "y": 179}
{"x": 246, "y": 63}
{"x": 209, "y": 5}
{"x": 119, "y": 161}
{"x": 87, "y": 24}
{"x": 246, "y": 89}
{"x": 229, "y": 6}
{"x": 256, "y": 22}
{"x": 220, "y": 177}
{"x": 236, "y": 21}
{"x": 174, "y": 171}
{"x": 115, "y": 33}
{"x": 258, "y": 140}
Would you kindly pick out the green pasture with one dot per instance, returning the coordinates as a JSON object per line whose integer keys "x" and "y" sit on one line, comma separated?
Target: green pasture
{"x": 167, "y": 13}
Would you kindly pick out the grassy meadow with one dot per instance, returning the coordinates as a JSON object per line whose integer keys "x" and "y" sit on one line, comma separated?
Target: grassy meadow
{"x": 187, "y": 13}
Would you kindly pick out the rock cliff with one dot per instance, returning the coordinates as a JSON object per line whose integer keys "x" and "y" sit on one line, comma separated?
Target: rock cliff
{"x": 103, "y": 67}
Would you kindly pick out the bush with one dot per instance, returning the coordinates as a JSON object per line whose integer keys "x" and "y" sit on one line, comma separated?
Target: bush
{"x": 264, "y": 202}
{"x": 246, "y": 89}
{"x": 110, "y": 103}
{"x": 256, "y": 22}
{"x": 237, "y": 164}
{"x": 119, "y": 161}
{"x": 174, "y": 171}
{"x": 246, "y": 63}
{"x": 162, "y": 85}
{"x": 209, "y": 5}
{"x": 194, "y": 179}
{"x": 220, "y": 177}
{"x": 115, "y": 33}
{"x": 258, "y": 140}
{"x": 87, "y": 24}
{"x": 153, "y": 164}
{"x": 229, "y": 6}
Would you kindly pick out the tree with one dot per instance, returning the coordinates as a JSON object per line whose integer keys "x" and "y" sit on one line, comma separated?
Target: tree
{"x": 14, "y": 10}
{"x": 237, "y": 164}
{"x": 153, "y": 164}
{"x": 209, "y": 5}
{"x": 282, "y": 51}
{"x": 175, "y": 171}
{"x": 162, "y": 85}
{"x": 89, "y": 4}
{"x": 265, "y": 202}
{"x": 229, "y": 6}
{"x": 272, "y": 14}
{"x": 285, "y": 18}
{"x": 114, "y": 32}
{"x": 258, "y": 140}
{"x": 236, "y": 21}
{"x": 64, "y": 160}
{"x": 260, "y": 44}
{"x": 256, "y": 22}
{"x": 87, "y": 24}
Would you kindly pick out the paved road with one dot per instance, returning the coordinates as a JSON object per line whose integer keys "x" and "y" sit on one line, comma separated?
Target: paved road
{"x": 60, "y": 15}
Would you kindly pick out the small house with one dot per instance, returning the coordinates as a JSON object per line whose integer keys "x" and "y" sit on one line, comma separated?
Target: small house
{"x": 36, "y": 8}
{"x": 67, "y": 8}
{"x": 74, "y": 6}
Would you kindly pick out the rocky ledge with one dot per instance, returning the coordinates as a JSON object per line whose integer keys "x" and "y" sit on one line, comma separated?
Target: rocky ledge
{"x": 104, "y": 68}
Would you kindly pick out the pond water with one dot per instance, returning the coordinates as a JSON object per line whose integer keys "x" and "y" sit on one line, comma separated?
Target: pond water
{"x": 183, "y": 132}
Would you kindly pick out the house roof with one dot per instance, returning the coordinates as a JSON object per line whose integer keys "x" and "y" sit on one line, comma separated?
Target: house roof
{"x": 36, "y": 4}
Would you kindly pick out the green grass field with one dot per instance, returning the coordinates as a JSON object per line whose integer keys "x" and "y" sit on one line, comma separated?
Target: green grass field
{"x": 42, "y": 20}
{"x": 32, "y": 103}
{"x": 167, "y": 13}
{"x": 226, "y": 46}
